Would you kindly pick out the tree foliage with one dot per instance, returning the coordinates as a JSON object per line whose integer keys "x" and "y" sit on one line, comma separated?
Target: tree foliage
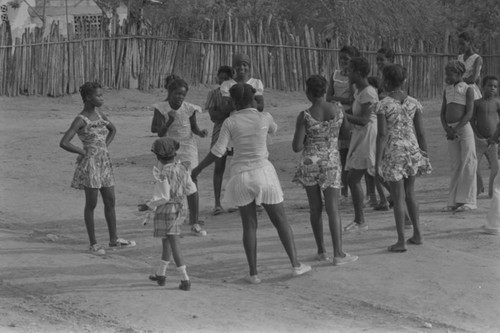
{"x": 348, "y": 20}
{"x": 480, "y": 17}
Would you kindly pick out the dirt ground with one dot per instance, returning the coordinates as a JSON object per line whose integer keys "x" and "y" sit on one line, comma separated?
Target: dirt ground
{"x": 50, "y": 283}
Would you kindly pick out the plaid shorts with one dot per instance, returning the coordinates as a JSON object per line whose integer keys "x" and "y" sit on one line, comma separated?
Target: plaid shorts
{"x": 168, "y": 220}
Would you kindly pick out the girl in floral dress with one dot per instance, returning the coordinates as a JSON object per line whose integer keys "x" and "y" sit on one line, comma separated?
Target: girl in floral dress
{"x": 94, "y": 172}
{"x": 401, "y": 152}
{"x": 316, "y": 135}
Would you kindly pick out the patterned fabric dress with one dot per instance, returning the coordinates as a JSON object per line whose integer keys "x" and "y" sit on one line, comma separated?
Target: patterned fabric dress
{"x": 168, "y": 217}
{"x": 402, "y": 156}
{"x": 94, "y": 170}
{"x": 320, "y": 161}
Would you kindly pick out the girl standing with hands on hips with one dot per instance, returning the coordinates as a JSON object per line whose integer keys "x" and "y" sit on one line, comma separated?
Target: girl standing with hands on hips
{"x": 316, "y": 134}
{"x": 361, "y": 157}
{"x": 253, "y": 178}
{"x": 94, "y": 171}
{"x": 401, "y": 151}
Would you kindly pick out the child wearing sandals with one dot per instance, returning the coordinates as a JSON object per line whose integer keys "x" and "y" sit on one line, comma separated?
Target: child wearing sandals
{"x": 181, "y": 125}
{"x": 94, "y": 171}
{"x": 456, "y": 111}
{"x": 401, "y": 152}
{"x": 316, "y": 135}
{"x": 167, "y": 209}
{"x": 253, "y": 178}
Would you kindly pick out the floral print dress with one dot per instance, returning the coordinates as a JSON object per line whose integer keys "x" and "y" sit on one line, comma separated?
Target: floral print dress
{"x": 94, "y": 170}
{"x": 402, "y": 156}
{"x": 320, "y": 161}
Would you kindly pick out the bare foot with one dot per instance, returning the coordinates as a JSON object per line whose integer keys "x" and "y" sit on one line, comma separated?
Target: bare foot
{"x": 397, "y": 248}
{"x": 414, "y": 241}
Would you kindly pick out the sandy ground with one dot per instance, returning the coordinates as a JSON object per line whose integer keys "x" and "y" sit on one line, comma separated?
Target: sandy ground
{"x": 50, "y": 283}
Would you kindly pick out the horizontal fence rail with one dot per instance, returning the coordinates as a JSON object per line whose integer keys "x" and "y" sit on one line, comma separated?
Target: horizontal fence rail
{"x": 56, "y": 65}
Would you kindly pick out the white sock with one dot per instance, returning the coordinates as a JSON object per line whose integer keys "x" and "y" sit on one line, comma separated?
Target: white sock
{"x": 182, "y": 270}
{"x": 162, "y": 268}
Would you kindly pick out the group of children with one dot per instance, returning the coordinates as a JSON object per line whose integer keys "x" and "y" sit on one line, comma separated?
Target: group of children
{"x": 350, "y": 131}
{"x": 385, "y": 140}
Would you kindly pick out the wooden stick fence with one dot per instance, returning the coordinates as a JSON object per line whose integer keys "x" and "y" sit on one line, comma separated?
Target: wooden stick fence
{"x": 282, "y": 56}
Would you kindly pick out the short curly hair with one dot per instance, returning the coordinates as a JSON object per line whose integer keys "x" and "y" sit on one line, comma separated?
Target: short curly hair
{"x": 466, "y": 35}
{"x": 169, "y": 79}
{"x": 242, "y": 94}
{"x": 350, "y": 50}
{"x": 226, "y": 70}
{"x": 394, "y": 75}
{"x": 489, "y": 78}
{"x": 360, "y": 65}
{"x": 316, "y": 85}
{"x": 387, "y": 52}
{"x": 177, "y": 83}
{"x": 88, "y": 88}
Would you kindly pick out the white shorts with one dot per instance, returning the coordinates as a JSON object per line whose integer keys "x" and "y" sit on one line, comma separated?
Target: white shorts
{"x": 261, "y": 185}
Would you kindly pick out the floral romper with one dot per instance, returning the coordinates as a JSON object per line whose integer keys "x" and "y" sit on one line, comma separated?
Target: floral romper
{"x": 320, "y": 161}
{"x": 402, "y": 156}
{"x": 94, "y": 170}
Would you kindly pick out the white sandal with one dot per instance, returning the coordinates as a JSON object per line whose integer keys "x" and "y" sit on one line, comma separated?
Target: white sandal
{"x": 120, "y": 242}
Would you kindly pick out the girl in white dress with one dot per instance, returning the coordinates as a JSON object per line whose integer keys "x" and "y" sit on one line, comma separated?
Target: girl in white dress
{"x": 253, "y": 178}
{"x": 361, "y": 156}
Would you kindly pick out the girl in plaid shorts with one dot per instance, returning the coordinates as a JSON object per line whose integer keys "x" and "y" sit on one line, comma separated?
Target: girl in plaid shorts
{"x": 168, "y": 208}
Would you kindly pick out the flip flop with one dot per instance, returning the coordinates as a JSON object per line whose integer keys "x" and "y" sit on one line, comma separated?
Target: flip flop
{"x": 218, "y": 210}
{"x": 413, "y": 242}
{"x": 393, "y": 248}
{"x": 382, "y": 207}
{"x": 449, "y": 209}
{"x": 462, "y": 208}
{"x": 122, "y": 243}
